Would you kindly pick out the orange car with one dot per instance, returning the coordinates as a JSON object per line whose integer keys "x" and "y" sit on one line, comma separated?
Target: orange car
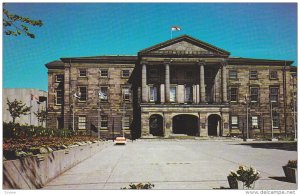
{"x": 120, "y": 140}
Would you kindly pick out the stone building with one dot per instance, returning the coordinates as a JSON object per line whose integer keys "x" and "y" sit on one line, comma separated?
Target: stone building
{"x": 180, "y": 86}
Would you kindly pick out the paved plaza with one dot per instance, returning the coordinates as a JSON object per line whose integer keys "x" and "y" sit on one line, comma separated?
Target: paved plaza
{"x": 177, "y": 164}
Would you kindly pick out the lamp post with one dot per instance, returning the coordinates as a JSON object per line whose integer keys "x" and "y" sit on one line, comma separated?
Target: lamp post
{"x": 247, "y": 117}
{"x": 99, "y": 122}
{"x": 272, "y": 125}
{"x": 272, "y": 122}
{"x": 76, "y": 96}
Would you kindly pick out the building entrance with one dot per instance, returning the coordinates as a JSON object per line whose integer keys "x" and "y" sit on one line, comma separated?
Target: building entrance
{"x": 214, "y": 125}
{"x": 156, "y": 125}
{"x": 185, "y": 124}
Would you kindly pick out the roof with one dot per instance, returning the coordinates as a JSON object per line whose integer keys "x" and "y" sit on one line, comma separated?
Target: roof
{"x": 102, "y": 59}
{"x": 189, "y": 39}
{"x": 55, "y": 64}
{"x": 254, "y": 61}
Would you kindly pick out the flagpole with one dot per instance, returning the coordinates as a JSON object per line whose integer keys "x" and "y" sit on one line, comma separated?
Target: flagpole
{"x": 30, "y": 108}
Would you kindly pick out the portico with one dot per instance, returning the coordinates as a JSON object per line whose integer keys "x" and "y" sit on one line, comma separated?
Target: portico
{"x": 188, "y": 82}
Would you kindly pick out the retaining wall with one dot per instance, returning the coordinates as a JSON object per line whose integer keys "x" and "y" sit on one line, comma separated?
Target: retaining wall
{"x": 36, "y": 171}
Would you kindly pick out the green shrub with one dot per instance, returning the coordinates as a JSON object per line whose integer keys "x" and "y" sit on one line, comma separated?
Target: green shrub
{"x": 11, "y": 130}
{"x": 140, "y": 186}
{"x": 292, "y": 163}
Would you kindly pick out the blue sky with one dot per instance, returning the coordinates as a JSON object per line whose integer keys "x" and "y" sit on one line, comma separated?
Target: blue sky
{"x": 253, "y": 30}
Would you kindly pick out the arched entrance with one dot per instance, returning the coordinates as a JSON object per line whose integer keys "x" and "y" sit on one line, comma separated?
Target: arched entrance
{"x": 185, "y": 124}
{"x": 214, "y": 125}
{"x": 156, "y": 125}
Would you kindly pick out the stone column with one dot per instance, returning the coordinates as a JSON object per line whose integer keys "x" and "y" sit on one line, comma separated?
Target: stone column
{"x": 167, "y": 125}
{"x": 145, "y": 130}
{"x": 167, "y": 82}
{"x": 144, "y": 84}
{"x": 218, "y": 87}
{"x": 162, "y": 93}
{"x": 203, "y": 125}
{"x": 224, "y": 83}
{"x": 202, "y": 83}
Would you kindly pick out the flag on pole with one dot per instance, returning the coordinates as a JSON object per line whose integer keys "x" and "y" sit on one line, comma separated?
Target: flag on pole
{"x": 102, "y": 95}
{"x": 175, "y": 28}
{"x": 33, "y": 97}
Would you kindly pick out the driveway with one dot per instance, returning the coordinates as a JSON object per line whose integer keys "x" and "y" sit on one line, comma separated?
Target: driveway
{"x": 176, "y": 164}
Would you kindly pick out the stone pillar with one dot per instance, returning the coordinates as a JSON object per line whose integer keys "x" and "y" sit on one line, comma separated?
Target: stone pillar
{"x": 202, "y": 83}
{"x": 144, "y": 84}
{"x": 162, "y": 93}
{"x": 225, "y": 124}
{"x": 196, "y": 94}
{"x": 145, "y": 124}
{"x": 167, "y": 82}
{"x": 224, "y": 83}
{"x": 202, "y": 125}
{"x": 218, "y": 87}
{"x": 167, "y": 124}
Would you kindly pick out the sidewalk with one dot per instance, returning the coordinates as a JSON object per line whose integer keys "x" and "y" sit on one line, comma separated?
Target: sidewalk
{"x": 176, "y": 164}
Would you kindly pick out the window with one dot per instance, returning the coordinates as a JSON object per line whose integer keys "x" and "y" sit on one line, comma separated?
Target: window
{"x": 81, "y": 122}
{"x": 232, "y": 74}
{"x": 254, "y": 121}
{"x": 153, "y": 93}
{"x": 104, "y": 122}
{"x": 254, "y": 94}
{"x": 274, "y": 94}
{"x": 188, "y": 93}
{"x": 233, "y": 94}
{"x": 103, "y": 94}
{"x": 126, "y": 93}
{"x": 188, "y": 74}
{"x": 104, "y": 73}
{"x": 126, "y": 122}
{"x": 234, "y": 122}
{"x": 59, "y": 78}
{"x": 59, "y": 97}
{"x": 125, "y": 73}
{"x": 153, "y": 72}
{"x": 253, "y": 74}
{"x": 172, "y": 94}
{"x": 59, "y": 123}
{"x": 83, "y": 93}
{"x": 273, "y": 74}
{"x": 82, "y": 72}
{"x": 275, "y": 120}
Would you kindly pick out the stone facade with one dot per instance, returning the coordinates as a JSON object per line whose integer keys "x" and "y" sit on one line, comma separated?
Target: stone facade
{"x": 181, "y": 86}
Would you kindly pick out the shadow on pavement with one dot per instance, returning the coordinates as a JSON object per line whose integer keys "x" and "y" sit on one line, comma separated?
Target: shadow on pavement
{"x": 222, "y": 188}
{"x": 273, "y": 145}
{"x": 280, "y": 179}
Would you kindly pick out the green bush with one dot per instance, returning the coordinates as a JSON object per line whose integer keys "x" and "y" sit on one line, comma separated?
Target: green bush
{"x": 292, "y": 163}
{"x": 139, "y": 186}
{"x": 11, "y": 130}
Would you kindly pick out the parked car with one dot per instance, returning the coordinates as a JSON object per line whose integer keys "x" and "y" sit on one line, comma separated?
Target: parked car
{"x": 120, "y": 140}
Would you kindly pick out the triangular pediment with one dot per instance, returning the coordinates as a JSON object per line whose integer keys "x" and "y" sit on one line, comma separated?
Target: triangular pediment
{"x": 184, "y": 45}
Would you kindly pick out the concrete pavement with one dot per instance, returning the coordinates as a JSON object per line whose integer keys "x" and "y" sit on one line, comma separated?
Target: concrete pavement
{"x": 176, "y": 164}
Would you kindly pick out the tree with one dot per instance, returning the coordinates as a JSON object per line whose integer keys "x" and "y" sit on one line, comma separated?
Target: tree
{"x": 15, "y": 25}
{"x": 41, "y": 115}
{"x": 17, "y": 108}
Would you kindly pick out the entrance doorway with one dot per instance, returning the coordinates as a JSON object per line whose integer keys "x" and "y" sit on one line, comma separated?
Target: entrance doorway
{"x": 156, "y": 125}
{"x": 185, "y": 124}
{"x": 214, "y": 125}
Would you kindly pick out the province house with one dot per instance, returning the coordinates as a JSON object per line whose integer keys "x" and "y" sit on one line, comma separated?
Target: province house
{"x": 180, "y": 86}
